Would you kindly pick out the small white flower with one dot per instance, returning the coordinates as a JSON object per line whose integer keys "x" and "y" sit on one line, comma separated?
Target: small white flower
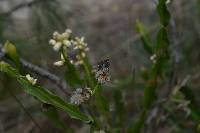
{"x": 52, "y": 41}
{"x": 59, "y": 63}
{"x": 67, "y": 43}
{"x": 85, "y": 44}
{"x": 55, "y": 34}
{"x": 153, "y": 58}
{"x": 31, "y": 79}
{"x": 71, "y": 61}
{"x": 79, "y": 46}
{"x": 68, "y": 31}
{"x": 79, "y": 62}
{"x": 83, "y": 54}
{"x": 62, "y": 57}
{"x": 76, "y": 47}
{"x": 73, "y": 42}
{"x": 57, "y": 46}
{"x": 82, "y": 39}
{"x": 79, "y": 43}
{"x": 168, "y": 1}
{"x": 65, "y": 35}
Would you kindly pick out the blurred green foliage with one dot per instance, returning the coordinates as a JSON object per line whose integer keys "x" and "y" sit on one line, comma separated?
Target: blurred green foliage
{"x": 150, "y": 98}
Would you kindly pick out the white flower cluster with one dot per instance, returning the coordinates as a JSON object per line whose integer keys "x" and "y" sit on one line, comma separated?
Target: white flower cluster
{"x": 153, "y": 58}
{"x": 71, "y": 46}
{"x": 80, "y": 44}
{"x": 81, "y": 47}
{"x": 80, "y": 95}
{"x": 60, "y": 40}
{"x": 31, "y": 79}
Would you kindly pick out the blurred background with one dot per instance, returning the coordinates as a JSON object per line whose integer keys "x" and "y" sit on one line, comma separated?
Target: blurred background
{"x": 109, "y": 29}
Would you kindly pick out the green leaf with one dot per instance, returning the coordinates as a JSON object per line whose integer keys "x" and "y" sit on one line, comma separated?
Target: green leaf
{"x": 149, "y": 93}
{"x": 101, "y": 101}
{"x": 145, "y": 37}
{"x": 88, "y": 73}
{"x": 72, "y": 77}
{"x": 137, "y": 126}
{"x": 163, "y": 12}
{"x": 195, "y": 112}
{"x": 119, "y": 107}
{"x": 44, "y": 95}
{"x": 102, "y": 104}
{"x": 162, "y": 39}
{"x": 156, "y": 69}
{"x": 11, "y": 52}
{"x": 53, "y": 116}
{"x": 162, "y": 65}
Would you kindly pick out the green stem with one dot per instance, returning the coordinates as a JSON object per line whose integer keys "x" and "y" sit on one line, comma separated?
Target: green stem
{"x": 95, "y": 88}
{"x": 64, "y": 55}
{"x": 88, "y": 73}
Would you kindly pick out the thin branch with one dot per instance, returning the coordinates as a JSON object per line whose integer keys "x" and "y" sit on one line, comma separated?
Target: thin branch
{"x": 19, "y": 6}
{"x": 46, "y": 74}
{"x": 40, "y": 71}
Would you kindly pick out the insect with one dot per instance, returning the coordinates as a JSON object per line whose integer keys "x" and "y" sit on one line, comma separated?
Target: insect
{"x": 104, "y": 64}
{"x": 102, "y": 72}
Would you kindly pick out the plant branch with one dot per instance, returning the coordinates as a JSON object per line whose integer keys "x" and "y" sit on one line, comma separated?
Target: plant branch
{"x": 19, "y": 6}
{"x": 46, "y": 74}
{"x": 40, "y": 71}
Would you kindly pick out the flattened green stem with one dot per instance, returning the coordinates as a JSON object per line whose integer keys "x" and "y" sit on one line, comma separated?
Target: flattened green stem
{"x": 95, "y": 89}
{"x": 88, "y": 73}
{"x": 64, "y": 54}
